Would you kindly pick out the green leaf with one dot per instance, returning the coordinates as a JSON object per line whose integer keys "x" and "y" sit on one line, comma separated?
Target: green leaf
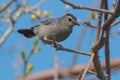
{"x": 29, "y": 68}
{"x": 23, "y": 55}
{"x": 38, "y": 49}
{"x": 35, "y": 42}
{"x": 93, "y": 15}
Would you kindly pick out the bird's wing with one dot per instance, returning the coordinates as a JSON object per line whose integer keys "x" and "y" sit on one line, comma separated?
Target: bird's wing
{"x": 49, "y": 22}
{"x": 46, "y": 22}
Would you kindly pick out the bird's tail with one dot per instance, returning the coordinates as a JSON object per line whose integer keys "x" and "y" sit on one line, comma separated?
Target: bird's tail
{"x": 27, "y": 32}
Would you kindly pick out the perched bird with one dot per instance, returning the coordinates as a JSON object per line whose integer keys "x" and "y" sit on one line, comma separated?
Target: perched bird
{"x": 59, "y": 28}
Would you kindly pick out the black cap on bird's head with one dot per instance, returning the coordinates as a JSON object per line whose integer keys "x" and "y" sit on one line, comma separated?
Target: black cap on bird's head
{"x": 72, "y": 19}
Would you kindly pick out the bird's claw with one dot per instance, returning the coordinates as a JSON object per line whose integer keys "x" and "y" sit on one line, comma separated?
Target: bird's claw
{"x": 57, "y": 46}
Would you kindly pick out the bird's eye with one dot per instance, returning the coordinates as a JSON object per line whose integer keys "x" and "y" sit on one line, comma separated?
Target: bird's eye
{"x": 69, "y": 19}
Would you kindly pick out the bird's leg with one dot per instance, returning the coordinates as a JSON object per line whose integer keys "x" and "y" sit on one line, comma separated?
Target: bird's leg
{"x": 54, "y": 42}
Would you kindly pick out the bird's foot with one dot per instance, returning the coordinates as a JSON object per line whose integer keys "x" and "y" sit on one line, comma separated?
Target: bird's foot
{"x": 56, "y": 45}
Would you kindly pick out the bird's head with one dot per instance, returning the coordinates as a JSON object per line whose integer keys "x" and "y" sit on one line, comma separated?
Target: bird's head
{"x": 70, "y": 20}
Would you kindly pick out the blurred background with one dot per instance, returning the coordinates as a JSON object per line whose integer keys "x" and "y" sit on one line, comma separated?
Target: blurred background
{"x": 15, "y": 48}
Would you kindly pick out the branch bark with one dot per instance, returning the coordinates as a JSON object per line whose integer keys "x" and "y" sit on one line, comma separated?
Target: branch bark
{"x": 88, "y": 66}
{"x": 6, "y": 5}
{"x": 107, "y": 50}
{"x": 103, "y": 39}
{"x": 9, "y": 30}
{"x": 75, "y": 6}
{"x": 70, "y": 50}
{"x": 67, "y": 72}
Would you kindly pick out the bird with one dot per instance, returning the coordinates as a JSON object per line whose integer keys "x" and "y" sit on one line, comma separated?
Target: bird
{"x": 57, "y": 28}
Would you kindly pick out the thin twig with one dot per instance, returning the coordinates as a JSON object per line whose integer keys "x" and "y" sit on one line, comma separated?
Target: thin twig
{"x": 114, "y": 23}
{"x": 29, "y": 8}
{"x": 56, "y": 65}
{"x": 26, "y": 63}
{"x": 88, "y": 66}
{"x": 95, "y": 27}
{"x": 88, "y": 24}
{"x": 75, "y": 6}
{"x": 92, "y": 72}
{"x": 37, "y": 5}
{"x": 70, "y": 50}
{"x": 99, "y": 24}
{"x": 6, "y": 5}
{"x": 18, "y": 12}
{"x": 7, "y": 33}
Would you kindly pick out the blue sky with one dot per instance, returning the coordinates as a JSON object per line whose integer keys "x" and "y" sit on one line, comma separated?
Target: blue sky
{"x": 44, "y": 60}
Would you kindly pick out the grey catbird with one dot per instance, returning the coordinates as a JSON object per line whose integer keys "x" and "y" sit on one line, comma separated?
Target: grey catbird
{"x": 60, "y": 28}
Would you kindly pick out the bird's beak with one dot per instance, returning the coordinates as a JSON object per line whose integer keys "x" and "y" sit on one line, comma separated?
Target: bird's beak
{"x": 77, "y": 22}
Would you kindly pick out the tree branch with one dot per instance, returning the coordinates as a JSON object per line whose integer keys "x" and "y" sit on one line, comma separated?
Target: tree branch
{"x": 70, "y": 50}
{"x": 102, "y": 41}
{"x": 88, "y": 66}
{"x": 56, "y": 65}
{"x": 66, "y": 72}
{"x": 75, "y": 6}
{"x": 88, "y": 24}
{"x": 6, "y": 6}
{"x": 114, "y": 23}
{"x": 7, "y": 33}
{"x": 107, "y": 50}
{"x": 96, "y": 60}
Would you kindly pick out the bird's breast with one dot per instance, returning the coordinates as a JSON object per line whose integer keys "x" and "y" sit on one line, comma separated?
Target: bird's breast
{"x": 62, "y": 35}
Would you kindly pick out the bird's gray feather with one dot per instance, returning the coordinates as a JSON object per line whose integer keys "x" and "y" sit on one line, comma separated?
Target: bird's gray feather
{"x": 49, "y": 22}
{"x": 60, "y": 28}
